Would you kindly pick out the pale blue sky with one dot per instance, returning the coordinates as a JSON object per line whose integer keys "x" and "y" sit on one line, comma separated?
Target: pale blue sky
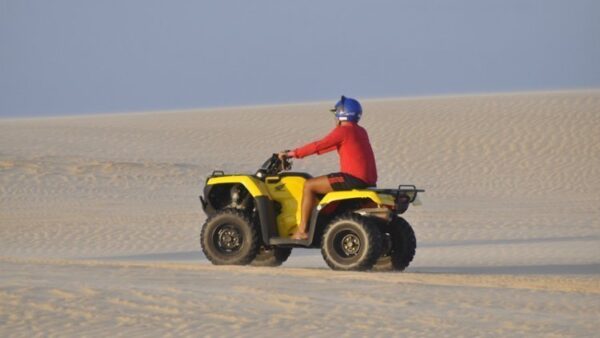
{"x": 66, "y": 57}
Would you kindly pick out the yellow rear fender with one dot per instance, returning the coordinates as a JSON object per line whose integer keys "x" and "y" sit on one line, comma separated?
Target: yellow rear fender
{"x": 377, "y": 198}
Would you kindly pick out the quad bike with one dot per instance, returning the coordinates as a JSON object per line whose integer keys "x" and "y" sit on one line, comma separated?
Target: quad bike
{"x": 251, "y": 219}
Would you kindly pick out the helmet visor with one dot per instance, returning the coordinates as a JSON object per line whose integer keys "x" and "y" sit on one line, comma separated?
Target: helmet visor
{"x": 339, "y": 107}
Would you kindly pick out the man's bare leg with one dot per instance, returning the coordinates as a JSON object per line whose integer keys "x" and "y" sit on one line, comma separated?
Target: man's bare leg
{"x": 312, "y": 187}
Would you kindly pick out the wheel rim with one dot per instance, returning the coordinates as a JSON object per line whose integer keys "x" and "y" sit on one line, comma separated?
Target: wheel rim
{"x": 347, "y": 244}
{"x": 228, "y": 239}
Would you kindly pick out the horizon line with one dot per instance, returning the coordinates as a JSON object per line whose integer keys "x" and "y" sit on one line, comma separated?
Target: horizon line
{"x": 298, "y": 103}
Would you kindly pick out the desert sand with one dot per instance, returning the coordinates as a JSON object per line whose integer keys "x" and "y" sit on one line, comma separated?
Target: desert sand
{"x": 100, "y": 222}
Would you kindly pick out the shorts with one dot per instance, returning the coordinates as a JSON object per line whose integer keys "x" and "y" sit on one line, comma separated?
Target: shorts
{"x": 343, "y": 181}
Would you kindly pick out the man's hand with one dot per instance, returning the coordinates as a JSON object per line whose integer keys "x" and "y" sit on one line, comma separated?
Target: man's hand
{"x": 283, "y": 155}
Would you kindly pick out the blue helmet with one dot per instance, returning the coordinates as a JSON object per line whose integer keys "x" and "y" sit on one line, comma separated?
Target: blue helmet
{"x": 347, "y": 109}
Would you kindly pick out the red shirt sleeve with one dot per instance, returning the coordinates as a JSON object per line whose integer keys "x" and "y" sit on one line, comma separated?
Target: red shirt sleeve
{"x": 327, "y": 144}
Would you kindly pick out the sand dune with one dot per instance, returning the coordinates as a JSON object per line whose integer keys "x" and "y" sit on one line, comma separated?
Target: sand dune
{"x": 99, "y": 222}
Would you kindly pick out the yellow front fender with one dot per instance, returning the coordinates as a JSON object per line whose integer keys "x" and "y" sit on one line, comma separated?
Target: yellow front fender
{"x": 255, "y": 187}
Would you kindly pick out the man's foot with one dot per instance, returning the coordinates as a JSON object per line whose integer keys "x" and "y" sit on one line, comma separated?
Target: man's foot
{"x": 300, "y": 236}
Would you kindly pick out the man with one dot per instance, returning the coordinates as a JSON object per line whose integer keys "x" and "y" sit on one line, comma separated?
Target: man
{"x": 357, "y": 162}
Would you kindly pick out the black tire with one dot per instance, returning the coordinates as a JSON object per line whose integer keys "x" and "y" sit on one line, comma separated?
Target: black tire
{"x": 273, "y": 256}
{"x": 351, "y": 242}
{"x": 229, "y": 238}
{"x": 402, "y": 246}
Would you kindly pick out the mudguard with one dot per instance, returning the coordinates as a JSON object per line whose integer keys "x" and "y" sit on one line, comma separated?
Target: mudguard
{"x": 254, "y": 186}
{"x": 377, "y": 198}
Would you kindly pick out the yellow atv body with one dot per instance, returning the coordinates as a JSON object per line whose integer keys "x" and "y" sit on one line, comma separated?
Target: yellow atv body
{"x": 251, "y": 219}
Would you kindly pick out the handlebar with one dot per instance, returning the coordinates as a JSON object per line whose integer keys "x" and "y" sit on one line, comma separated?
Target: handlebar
{"x": 273, "y": 166}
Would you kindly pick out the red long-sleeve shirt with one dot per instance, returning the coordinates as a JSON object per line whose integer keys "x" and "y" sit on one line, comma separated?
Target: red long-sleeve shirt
{"x": 354, "y": 149}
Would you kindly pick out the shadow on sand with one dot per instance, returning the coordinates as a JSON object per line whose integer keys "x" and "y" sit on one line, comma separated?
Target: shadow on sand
{"x": 449, "y": 244}
{"x": 558, "y": 269}
{"x": 555, "y": 269}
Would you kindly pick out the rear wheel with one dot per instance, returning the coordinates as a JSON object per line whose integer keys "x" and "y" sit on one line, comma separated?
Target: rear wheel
{"x": 401, "y": 248}
{"x": 229, "y": 238}
{"x": 271, "y": 256}
{"x": 351, "y": 242}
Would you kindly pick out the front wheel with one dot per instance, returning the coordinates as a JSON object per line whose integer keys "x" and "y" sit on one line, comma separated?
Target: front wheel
{"x": 229, "y": 238}
{"x": 351, "y": 242}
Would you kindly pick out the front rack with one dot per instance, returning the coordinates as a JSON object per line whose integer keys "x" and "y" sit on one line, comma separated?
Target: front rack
{"x": 217, "y": 173}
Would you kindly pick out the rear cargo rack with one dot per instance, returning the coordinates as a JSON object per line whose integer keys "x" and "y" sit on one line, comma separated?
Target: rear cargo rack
{"x": 408, "y": 189}
{"x": 403, "y": 189}
{"x": 405, "y": 194}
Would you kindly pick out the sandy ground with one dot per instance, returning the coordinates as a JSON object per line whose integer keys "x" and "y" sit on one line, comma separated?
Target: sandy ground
{"x": 99, "y": 222}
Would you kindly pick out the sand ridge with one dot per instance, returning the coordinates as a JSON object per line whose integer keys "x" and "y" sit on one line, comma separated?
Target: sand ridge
{"x": 566, "y": 283}
{"x": 191, "y": 298}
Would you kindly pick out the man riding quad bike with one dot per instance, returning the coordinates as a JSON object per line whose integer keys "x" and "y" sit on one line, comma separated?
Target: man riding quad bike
{"x": 258, "y": 219}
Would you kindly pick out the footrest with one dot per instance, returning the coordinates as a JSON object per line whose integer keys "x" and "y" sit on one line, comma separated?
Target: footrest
{"x": 288, "y": 241}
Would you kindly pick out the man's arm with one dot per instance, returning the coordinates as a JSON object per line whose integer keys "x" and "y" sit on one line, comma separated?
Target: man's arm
{"x": 327, "y": 144}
